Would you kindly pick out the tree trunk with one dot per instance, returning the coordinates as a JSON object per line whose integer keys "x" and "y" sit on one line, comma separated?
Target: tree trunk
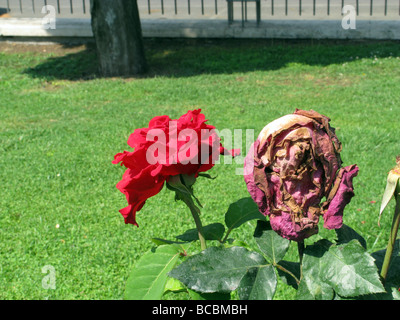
{"x": 118, "y": 34}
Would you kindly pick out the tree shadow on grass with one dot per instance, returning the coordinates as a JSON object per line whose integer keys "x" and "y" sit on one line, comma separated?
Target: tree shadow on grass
{"x": 80, "y": 64}
{"x": 190, "y": 57}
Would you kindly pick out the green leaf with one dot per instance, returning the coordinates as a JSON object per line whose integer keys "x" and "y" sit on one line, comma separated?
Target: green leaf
{"x": 237, "y": 243}
{"x": 213, "y": 231}
{"x": 270, "y": 243}
{"x": 149, "y": 276}
{"x": 174, "y": 285}
{"x": 350, "y": 270}
{"x": 259, "y": 283}
{"x": 346, "y": 268}
{"x": 292, "y": 277}
{"x": 312, "y": 287}
{"x": 159, "y": 241}
{"x": 346, "y": 234}
{"x": 206, "y": 175}
{"x": 392, "y": 293}
{"x": 217, "y": 269}
{"x": 393, "y": 275}
{"x": 241, "y": 211}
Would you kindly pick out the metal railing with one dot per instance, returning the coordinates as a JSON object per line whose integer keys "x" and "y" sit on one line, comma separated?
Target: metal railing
{"x": 356, "y": 3}
{"x": 206, "y": 8}
{"x": 24, "y": 6}
{"x": 374, "y": 7}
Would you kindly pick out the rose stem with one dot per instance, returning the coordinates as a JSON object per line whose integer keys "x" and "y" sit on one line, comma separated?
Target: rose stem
{"x": 300, "y": 248}
{"x": 195, "y": 213}
{"x": 393, "y": 235}
{"x": 287, "y": 271}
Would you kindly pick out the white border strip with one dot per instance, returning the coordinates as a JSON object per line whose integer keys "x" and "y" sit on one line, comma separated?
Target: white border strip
{"x": 283, "y": 29}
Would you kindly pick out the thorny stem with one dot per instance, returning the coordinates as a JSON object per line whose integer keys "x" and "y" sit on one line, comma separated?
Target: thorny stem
{"x": 195, "y": 213}
{"x": 393, "y": 235}
{"x": 300, "y": 248}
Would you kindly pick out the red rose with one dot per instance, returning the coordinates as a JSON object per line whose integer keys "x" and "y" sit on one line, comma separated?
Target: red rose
{"x": 166, "y": 148}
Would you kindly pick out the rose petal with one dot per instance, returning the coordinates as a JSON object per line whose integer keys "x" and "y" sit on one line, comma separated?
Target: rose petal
{"x": 283, "y": 225}
{"x": 333, "y": 217}
{"x": 138, "y": 187}
{"x": 150, "y": 164}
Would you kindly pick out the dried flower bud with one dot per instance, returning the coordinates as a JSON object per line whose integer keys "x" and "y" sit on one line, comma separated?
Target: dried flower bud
{"x": 393, "y": 182}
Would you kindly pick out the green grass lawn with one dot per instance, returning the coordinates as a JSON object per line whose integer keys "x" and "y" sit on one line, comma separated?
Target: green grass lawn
{"x": 61, "y": 124}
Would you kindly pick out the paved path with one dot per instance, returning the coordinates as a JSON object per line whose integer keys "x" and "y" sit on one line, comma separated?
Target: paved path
{"x": 212, "y": 9}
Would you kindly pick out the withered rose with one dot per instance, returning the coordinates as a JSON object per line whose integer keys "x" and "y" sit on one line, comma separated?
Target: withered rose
{"x": 293, "y": 172}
